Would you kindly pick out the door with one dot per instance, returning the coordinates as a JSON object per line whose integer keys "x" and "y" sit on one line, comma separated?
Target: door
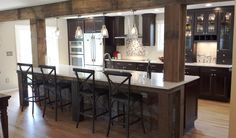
{"x": 205, "y": 83}
{"x": 98, "y": 50}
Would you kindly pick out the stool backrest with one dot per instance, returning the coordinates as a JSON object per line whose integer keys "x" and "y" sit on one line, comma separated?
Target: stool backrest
{"x": 83, "y": 83}
{"x": 115, "y": 86}
{"x": 49, "y": 74}
{"x": 28, "y": 70}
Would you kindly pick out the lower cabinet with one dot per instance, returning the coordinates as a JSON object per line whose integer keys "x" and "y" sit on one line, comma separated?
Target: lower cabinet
{"x": 214, "y": 83}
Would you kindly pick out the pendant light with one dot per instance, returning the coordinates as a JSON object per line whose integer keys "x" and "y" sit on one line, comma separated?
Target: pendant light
{"x": 104, "y": 31}
{"x": 78, "y": 32}
{"x": 134, "y": 30}
{"x": 57, "y": 31}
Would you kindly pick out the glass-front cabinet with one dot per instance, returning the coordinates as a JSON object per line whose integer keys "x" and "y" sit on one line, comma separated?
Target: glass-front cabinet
{"x": 206, "y": 22}
{"x": 225, "y": 29}
{"x": 225, "y": 35}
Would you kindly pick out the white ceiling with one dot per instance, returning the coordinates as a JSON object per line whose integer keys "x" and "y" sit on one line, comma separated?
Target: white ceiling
{"x": 14, "y": 4}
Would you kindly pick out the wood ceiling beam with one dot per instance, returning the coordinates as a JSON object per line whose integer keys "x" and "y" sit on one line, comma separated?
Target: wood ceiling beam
{"x": 87, "y": 6}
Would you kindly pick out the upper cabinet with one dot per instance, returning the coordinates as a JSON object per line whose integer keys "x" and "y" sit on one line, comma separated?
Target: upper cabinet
{"x": 72, "y": 25}
{"x": 149, "y": 23}
{"x": 189, "y": 36}
{"x": 119, "y": 30}
{"x": 93, "y": 25}
{"x": 206, "y": 22}
{"x": 225, "y": 37}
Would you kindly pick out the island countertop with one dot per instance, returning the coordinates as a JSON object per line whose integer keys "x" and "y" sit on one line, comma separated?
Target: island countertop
{"x": 138, "y": 77}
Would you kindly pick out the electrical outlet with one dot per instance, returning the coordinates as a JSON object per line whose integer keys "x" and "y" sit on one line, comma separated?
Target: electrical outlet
{"x": 7, "y": 80}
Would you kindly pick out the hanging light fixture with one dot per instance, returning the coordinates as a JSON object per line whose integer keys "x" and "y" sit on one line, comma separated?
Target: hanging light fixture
{"x": 104, "y": 30}
{"x": 134, "y": 30}
{"x": 57, "y": 31}
{"x": 78, "y": 32}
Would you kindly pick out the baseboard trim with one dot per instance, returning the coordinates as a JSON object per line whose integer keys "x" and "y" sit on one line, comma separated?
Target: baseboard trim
{"x": 9, "y": 90}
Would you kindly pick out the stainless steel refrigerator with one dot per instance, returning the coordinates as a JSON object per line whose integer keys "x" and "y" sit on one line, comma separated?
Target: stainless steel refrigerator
{"x": 93, "y": 49}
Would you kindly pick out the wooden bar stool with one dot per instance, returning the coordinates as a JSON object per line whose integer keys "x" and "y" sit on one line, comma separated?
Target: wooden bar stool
{"x": 32, "y": 82}
{"x": 54, "y": 87}
{"x": 119, "y": 92}
{"x": 86, "y": 89}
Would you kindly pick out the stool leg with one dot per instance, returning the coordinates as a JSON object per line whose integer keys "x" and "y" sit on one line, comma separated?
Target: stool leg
{"x": 45, "y": 102}
{"x": 33, "y": 108}
{"x": 56, "y": 106}
{"x": 141, "y": 107}
{"x": 94, "y": 112}
{"x": 124, "y": 116}
{"x": 61, "y": 101}
{"x": 109, "y": 123}
{"x": 78, "y": 114}
{"x": 127, "y": 122}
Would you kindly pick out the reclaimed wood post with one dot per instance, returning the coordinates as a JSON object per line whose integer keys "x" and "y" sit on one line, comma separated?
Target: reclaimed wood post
{"x": 174, "y": 42}
{"x": 38, "y": 40}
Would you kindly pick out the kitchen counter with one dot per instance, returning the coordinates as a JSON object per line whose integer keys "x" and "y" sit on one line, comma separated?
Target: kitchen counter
{"x": 171, "y": 104}
{"x": 138, "y": 77}
{"x": 187, "y": 64}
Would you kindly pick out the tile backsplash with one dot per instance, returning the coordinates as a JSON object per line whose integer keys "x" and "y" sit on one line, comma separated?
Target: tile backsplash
{"x": 151, "y": 53}
{"x": 206, "y": 52}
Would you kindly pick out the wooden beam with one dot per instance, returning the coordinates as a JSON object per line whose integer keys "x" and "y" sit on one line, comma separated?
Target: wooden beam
{"x": 38, "y": 41}
{"x": 174, "y": 41}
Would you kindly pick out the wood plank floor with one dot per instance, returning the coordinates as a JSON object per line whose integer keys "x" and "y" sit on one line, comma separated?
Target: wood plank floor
{"x": 213, "y": 122}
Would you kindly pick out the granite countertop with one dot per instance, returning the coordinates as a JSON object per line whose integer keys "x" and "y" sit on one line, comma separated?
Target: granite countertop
{"x": 187, "y": 64}
{"x": 138, "y": 77}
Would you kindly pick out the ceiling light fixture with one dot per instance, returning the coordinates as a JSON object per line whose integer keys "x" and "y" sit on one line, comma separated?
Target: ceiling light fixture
{"x": 104, "y": 30}
{"x": 57, "y": 31}
{"x": 134, "y": 30}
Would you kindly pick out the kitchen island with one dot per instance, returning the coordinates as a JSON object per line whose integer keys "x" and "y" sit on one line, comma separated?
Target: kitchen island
{"x": 171, "y": 107}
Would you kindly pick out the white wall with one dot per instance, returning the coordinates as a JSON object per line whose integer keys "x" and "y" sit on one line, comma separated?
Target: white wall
{"x": 232, "y": 124}
{"x": 8, "y": 77}
{"x": 62, "y": 39}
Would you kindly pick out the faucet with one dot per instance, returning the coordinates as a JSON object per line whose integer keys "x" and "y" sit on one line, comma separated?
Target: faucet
{"x": 109, "y": 57}
{"x": 149, "y": 69}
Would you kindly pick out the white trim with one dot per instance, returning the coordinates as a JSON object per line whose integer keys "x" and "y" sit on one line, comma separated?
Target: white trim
{"x": 9, "y": 90}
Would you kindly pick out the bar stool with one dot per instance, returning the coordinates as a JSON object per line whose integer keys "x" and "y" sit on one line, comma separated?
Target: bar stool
{"x": 86, "y": 89}
{"x": 52, "y": 86}
{"x": 32, "y": 82}
{"x": 119, "y": 92}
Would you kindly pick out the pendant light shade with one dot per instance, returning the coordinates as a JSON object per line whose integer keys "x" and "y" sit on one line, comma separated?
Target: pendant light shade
{"x": 78, "y": 32}
{"x": 134, "y": 31}
{"x": 57, "y": 31}
{"x": 104, "y": 31}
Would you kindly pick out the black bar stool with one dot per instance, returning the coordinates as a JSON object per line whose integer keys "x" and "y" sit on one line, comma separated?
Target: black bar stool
{"x": 33, "y": 82}
{"x": 119, "y": 91}
{"x": 86, "y": 89}
{"x": 52, "y": 86}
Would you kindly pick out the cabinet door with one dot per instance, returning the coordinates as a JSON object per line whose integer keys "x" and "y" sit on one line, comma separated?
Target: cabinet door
{"x": 211, "y": 22}
{"x": 225, "y": 29}
{"x": 129, "y": 66}
{"x": 199, "y": 23}
{"x": 119, "y": 29}
{"x": 98, "y": 24}
{"x": 141, "y": 67}
{"x": 157, "y": 67}
{"x": 89, "y": 26}
{"x": 221, "y": 84}
{"x": 189, "y": 30}
{"x": 149, "y": 23}
{"x": 192, "y": 70}
{"x": 205, "y": 83}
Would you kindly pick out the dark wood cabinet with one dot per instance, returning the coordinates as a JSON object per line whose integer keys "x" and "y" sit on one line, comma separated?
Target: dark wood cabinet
{"x": 225, "y": 37}
{"x": 206, "y": 22}
{"x": 149, "y": 23}
{"x": 189, "y": 37}
{"x": 93, "y": 25}
{"x": 215, "y": 83}
{"x": 192, "y": 70}
{"x": 119, "y": 30}
{"x": 141, "y": 66}
{"x": 72, "y": 25}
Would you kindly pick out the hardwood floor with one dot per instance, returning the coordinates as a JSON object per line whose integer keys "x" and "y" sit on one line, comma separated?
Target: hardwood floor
{"x": 212, "y": 122}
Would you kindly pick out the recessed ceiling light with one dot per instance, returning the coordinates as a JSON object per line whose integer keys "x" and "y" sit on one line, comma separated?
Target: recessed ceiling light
{"x": 208, "y": 5}
{"x": 156, "y": 10}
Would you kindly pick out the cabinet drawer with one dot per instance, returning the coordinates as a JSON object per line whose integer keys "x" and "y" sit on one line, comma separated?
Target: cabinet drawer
{"x": 191, "y": 70}
{"x": 141, "y": 67}
{"x": 157, "y": 67}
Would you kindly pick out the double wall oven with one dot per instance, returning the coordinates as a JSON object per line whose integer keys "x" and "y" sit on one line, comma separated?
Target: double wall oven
{"x": 76, "y": 52}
